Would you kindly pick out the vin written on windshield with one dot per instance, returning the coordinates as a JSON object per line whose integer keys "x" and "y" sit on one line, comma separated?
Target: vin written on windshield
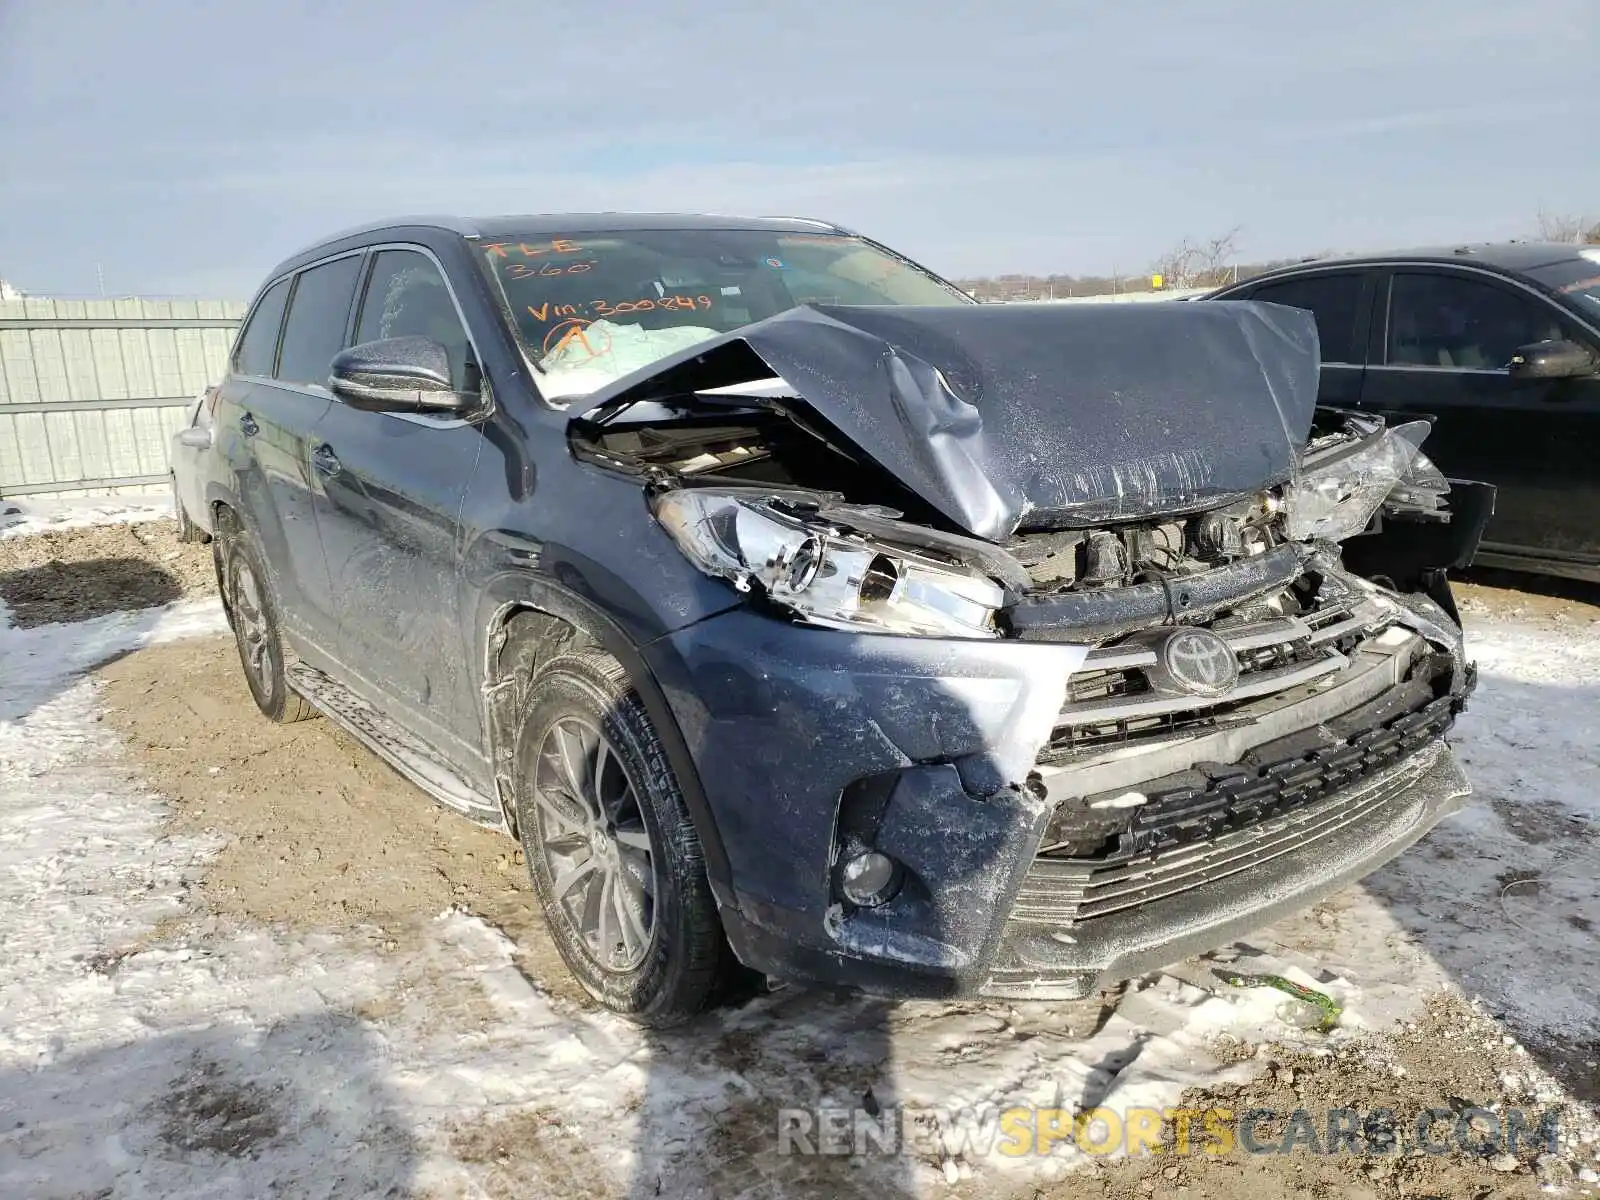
{"x": 590, "y": 309}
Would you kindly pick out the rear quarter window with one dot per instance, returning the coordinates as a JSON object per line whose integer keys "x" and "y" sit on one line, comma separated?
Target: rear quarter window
{"x": 258, "y": 344}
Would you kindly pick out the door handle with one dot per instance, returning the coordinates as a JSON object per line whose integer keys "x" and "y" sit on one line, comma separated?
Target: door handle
{"x": 248, "y": 426}
{"x": 324, "y": 461}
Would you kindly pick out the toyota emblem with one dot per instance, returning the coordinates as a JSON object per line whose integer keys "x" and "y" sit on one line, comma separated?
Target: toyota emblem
{"x": 1199, "y": 662}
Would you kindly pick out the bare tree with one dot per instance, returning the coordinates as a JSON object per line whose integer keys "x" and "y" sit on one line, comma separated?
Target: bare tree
{"x": 1204, "y": 263}
{"x": 1565, "y": 227}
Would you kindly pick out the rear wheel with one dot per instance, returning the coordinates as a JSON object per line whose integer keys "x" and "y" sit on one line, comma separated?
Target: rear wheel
{"x": 255, "y": 630}
{"x": 613, "y": 853}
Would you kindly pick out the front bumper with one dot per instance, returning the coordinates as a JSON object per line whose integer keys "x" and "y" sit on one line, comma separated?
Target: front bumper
{"x": 1280, "y": 867}
{"x": 930, "y": 751}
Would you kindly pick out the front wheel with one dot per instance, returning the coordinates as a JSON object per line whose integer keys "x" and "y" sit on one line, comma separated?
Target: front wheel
{"x": 613, "y": 853}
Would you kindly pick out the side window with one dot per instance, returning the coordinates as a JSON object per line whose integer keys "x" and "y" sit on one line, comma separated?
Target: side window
{"x": 406, "y": 297}
{"x": 1454, "y": 321}
{"x": 258, "y": 344}
{"x": 318, "y": 310}
{"x": 1335, "y": 301}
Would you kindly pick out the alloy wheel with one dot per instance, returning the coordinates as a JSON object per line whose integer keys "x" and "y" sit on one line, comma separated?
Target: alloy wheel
{"x": 595, "y": 845}
{"x": 250, "y": 623}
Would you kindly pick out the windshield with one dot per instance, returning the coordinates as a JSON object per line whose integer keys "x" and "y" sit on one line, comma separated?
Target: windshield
{"x": 1577, "y": 280}
{"x": 591, "y": 308}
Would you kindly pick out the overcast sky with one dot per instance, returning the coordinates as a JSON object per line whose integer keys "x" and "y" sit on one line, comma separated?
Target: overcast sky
{"x": 187, "y": 145}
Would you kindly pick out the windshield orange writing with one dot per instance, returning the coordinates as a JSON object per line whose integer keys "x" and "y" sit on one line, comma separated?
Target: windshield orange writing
{"x": 521, "y": 270}
{"x": 615, "y": 308}
{"x": 607, "y": 308}
{"x": 576, "y": 332}
{"x": 533, "y": 249}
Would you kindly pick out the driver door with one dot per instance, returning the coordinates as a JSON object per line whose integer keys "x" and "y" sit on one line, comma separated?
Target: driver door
{"x": 390, "y": 487}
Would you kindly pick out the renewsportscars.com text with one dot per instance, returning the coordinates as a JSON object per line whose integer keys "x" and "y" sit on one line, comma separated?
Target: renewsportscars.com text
{"x": 1021, "y": 1131}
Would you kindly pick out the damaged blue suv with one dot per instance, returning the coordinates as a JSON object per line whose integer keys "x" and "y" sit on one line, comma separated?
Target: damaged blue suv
{"x": 793, "y": 610}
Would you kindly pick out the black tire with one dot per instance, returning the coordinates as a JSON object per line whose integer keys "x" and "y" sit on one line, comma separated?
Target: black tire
{"x": 254, "y": 618}
{"x": 188, "y": 531}
{"x": 684, "y": 958}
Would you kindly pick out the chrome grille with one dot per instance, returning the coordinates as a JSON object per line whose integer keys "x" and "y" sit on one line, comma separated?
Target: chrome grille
{"x": 1112, "y": 699}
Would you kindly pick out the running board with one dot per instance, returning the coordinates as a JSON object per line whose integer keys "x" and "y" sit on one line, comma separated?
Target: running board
{"x": 403, "y": 751}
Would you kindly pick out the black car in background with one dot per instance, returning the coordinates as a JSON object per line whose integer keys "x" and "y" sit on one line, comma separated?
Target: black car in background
{"x": 1498, "y": 345}
{"x": 796, "y": 611}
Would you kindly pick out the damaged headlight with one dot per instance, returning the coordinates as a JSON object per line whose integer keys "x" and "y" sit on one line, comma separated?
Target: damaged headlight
{"x": 824, "y": 574}
{"x": 1337, "y": 494}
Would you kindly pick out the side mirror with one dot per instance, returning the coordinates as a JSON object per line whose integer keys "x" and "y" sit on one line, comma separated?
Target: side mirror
{"x": 1551, "y": 360}
{"x": 401, "y": 375}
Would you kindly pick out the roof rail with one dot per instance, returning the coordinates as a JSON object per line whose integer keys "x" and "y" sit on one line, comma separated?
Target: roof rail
{"x": 803, "y": 221}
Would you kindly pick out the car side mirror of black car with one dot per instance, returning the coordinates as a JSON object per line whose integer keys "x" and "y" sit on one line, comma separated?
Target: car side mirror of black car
{"x": 1552, "y": 360}
{"x": 399, "y": 375}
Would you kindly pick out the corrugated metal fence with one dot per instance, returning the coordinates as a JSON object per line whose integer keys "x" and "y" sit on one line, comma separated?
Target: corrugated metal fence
{"x": 91, "y": 391}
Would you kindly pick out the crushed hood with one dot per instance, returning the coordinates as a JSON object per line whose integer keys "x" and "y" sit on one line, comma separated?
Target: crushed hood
{"x": 1030, "y": 415}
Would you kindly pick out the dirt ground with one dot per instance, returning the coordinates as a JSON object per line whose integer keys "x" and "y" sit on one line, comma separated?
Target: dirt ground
{"x": 1508, "y": 594}
{"x": 75, "y": 574}
{"x": 1452, "y": 1055}
{"x": 316, "y": 833}
{"x": 319, "y": 833}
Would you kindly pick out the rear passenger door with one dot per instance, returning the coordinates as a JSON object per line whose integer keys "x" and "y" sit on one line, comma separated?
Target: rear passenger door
{"x": 1445, "y": 339}
{"x": 272, "y": 412}
{"x": 1341, "y": 301}
{"x": 390, "y": 487}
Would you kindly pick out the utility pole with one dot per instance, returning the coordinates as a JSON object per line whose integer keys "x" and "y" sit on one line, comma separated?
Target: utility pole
{"x": 100, "y": 278}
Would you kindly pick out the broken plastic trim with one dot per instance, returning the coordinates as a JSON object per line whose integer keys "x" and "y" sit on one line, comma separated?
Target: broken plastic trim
{"x": 1340, "y": 489}
{"x": 811, "y": 556}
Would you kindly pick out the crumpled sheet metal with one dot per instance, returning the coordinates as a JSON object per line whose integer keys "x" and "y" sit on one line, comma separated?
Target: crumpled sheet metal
{"x": 1011, "y": 416}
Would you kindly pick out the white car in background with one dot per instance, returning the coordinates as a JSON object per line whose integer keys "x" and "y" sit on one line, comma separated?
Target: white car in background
{"x": 191, "y": 454}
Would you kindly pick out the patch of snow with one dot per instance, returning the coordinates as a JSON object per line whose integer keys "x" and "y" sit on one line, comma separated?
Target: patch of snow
{"x": 229, "y": 1063}
{"x": 40, "y": 660}
{"x": 24, "y": 515}
{"x": 1502, "y": 895}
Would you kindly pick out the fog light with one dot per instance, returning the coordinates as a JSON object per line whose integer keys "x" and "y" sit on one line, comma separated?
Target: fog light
{"x": 869, "y": 879}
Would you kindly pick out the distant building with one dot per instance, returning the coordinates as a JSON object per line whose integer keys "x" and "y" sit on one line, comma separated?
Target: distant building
{"x": 7, "y": 292}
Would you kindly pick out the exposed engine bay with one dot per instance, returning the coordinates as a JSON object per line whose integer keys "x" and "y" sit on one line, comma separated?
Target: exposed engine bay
{"x": 846, "y": 517}
{"x": 774, "y": 449}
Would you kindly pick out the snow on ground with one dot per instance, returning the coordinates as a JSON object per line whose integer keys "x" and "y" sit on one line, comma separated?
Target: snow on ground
{"x": 23, "y": 515}
{"x": 144, "y": 1056}
{"x": 1504, "y": 893}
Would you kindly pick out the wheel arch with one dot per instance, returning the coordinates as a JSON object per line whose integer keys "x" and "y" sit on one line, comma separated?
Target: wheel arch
{"x": 523, "y": 632}
{"x": 225, "y": 524}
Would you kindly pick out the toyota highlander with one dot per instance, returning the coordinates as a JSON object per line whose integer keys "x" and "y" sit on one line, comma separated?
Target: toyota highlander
{"x": 793, "y": 610}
